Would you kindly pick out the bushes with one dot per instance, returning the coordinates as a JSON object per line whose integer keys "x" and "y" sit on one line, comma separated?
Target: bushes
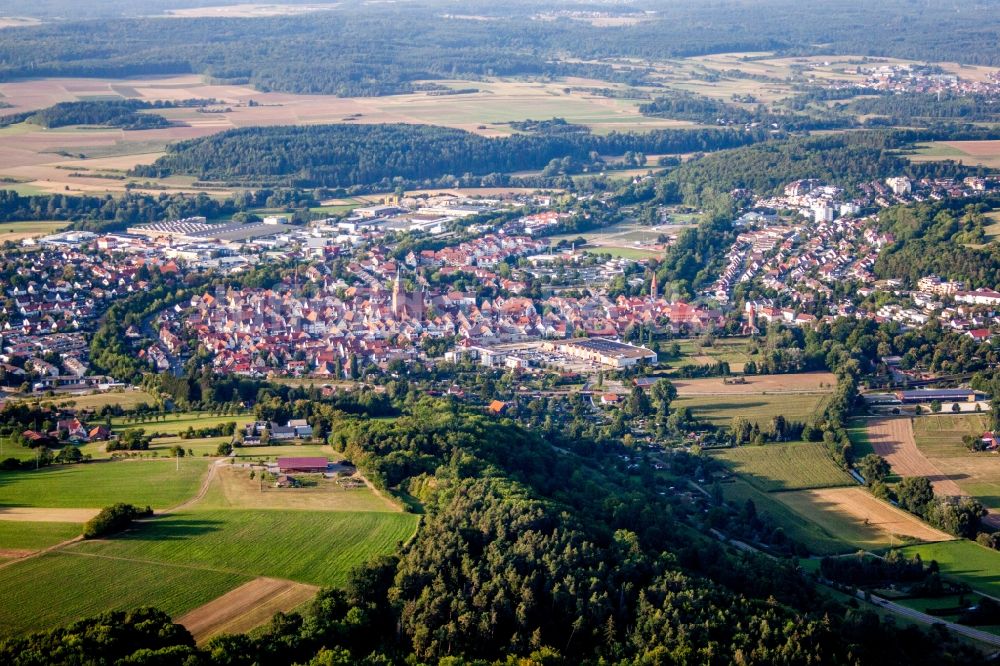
{"x": 114, "y": 518}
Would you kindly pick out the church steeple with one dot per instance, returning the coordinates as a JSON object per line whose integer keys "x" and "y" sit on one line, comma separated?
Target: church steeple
{"x": 652, "y": 286}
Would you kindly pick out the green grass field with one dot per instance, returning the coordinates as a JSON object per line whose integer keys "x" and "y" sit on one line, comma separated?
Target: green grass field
{"x": 317, "y": 547}
{"x": 95, "y": 401}
{"x": 9, "y": 449}
{"x": 940, "y": 435}
{"x": 42, "y": 227}
{"x": 964, "y": 560}
{"x": 993, "y": 228}
{"x": 55, "y": 589}
{"x": 174, "y": 424}
{"x": 816, "y": 538}
{"x": 97, "y": 484}
{"x": 792, "y": 466}
{"x": 734, "y": 351}
{"x": 18, "y": 534}
{"x": 858, "y": 434}
{"x": 720, "y": 410}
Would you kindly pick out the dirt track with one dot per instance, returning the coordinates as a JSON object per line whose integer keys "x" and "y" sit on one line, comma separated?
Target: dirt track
{"x": 892, "y": 438}
{"x": 43, "y": 515}
{"x": 246, "y": 607}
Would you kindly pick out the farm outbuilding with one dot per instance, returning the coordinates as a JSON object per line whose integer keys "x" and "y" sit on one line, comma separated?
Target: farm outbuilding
{"x": 315, "y": 465}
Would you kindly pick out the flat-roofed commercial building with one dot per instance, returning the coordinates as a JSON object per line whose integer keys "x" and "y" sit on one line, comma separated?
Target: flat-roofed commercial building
{"x": 604, "y": 351}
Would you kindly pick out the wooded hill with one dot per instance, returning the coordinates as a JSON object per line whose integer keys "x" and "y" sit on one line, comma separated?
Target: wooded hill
{"x": 347, "y": 155}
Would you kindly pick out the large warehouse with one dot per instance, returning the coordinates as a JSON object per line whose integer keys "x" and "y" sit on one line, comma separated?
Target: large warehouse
{"x": 941, "y": 395}
{"x": 604, "y": 351}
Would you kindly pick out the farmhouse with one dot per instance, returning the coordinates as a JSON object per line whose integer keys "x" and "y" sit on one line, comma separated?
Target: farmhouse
{"x": 605, "y": 351}
{"x": 310, "y": 464}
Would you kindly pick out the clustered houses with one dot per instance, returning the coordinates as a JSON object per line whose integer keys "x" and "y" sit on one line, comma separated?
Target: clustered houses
{"x": 598, "y": 315}
{"x": 254, "y": 331}
{"x": 749, "y": 255}
{"x": 976, "y": 313}
{"x": 913, "y": 78}
{"x": 902, "y": 190}
{"x": 485, "y": 252}
{"x": 257, "y": 332}
{"x": 50, "y": 302}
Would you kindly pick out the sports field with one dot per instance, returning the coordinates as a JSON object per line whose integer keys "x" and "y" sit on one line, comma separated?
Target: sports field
{"x": 155, "y": 482}
{"x": 791, "y": 466}
{"x": 965, "y": 560}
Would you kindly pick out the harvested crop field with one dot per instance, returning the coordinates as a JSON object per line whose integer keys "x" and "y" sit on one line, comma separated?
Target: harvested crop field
{"x": 939, "y": 439}
{"x": 246, "y": 607}
{"x": 805, "y": 382}
{"x": 892, "y": 438}
{"x": 969, "y": 153}
{"x": 39, "y": 515}
{"x": 857, "y": 517}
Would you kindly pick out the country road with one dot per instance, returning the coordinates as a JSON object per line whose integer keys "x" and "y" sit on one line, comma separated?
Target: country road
{"x": 969, "y": 632}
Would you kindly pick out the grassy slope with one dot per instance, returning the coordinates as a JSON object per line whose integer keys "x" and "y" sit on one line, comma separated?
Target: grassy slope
{"x": 792, "y": 466}
{"x": 820, "y": 539}
{"x": 57, "y": 588}
{"x": 317, "y": 547}
{"x": 95, "y": 485}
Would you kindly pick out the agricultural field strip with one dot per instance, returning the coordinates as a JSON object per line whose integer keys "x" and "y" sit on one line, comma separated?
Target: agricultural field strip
{"x": 893, "y": 439}
{"x": 245, "y": 607}
{"x": 69, "y": 550}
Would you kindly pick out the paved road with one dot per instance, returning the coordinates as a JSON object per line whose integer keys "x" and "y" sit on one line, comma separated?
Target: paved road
{"x": 970, "y": 632}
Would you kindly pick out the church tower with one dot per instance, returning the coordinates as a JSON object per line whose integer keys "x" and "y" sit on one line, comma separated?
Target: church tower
{"x": 398, "y": 296}
{"x": 652, "y": 287}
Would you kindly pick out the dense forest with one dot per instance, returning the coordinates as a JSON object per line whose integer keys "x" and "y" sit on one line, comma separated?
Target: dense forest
{"x": 847, "y": 160}
{"x": 347, "y": 155}
{"x": 533, "y": 545}
{"x": 905, "y": 107}
{"x": 105, "y": 213}
{"x": 697, "y": 108}
{"x": 352, "y": 52}
{"x": 123, "y": 113}
{"x": 944, "y": 238}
